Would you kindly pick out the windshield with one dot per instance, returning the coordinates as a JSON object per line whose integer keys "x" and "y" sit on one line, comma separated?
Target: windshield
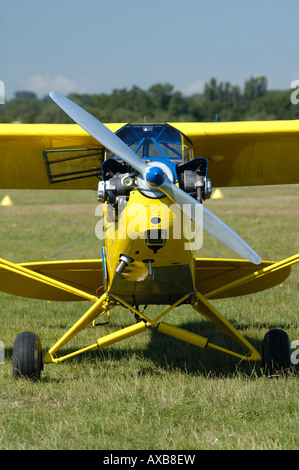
{"x": 155, "y": 140}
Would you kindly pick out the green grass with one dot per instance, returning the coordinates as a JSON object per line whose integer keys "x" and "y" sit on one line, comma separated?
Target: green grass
{"x": 150, "y": 391}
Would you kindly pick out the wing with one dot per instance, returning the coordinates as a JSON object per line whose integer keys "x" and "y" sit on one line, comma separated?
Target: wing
{"x": 64, "y": 156}
{"x": 247, "y": 153}
{"x": 213, "y": 274}
{"x": 85, "y": 275}
{"x": 49, "y": 156}
{"x": 88, "y": 276}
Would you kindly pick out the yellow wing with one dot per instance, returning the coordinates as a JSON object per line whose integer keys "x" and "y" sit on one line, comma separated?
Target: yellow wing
{"x": 88, "y": 277}
{"x": 64, "y": 156}
{"x": 85, "y": 275}
{"x": 49, "y": 156}
{"x": 212, "y": 274}
{"x": 247, "y": 153}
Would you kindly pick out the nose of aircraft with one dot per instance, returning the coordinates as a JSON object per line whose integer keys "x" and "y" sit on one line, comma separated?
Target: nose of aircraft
{"x": 155, "y": 176}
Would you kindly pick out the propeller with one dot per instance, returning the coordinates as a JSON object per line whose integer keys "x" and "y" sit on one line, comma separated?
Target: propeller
{"x": 155, "y": 178}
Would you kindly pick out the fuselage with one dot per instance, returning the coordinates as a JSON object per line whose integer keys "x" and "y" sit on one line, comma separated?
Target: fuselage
{"x": 149, "y": 243}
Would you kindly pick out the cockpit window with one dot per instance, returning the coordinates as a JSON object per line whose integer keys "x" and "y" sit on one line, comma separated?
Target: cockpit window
{"x": 156, "y": 140}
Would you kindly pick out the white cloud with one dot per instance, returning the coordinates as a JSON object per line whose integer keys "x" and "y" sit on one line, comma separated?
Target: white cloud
{"x": 2, "y": 92}
{"x": 193, "y": 88}
{"x": 42, "y": 84}
{"x": 295, "y": 76}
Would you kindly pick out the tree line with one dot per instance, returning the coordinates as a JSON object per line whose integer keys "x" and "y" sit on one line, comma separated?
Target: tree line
{"x": 219, "y": 101}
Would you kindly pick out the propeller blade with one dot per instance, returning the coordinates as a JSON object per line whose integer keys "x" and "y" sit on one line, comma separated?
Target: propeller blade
{"x": 155, "y": 178}
{"x": 100, "y": 132}
{"x": 211, "y": 223}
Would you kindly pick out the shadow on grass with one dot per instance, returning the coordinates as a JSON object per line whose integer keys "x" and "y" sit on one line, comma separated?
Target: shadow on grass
{"x": 171, "y": 354}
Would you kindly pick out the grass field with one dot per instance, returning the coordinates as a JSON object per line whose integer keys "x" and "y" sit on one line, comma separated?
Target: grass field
{"x": 151, "y": 391}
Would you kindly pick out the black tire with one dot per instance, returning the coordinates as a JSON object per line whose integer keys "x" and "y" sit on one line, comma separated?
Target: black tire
{"x": 276, "y": 353}
{"x": 27, "y": 356}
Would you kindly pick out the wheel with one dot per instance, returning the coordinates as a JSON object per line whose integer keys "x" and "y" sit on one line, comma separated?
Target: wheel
{"x": 276, "y": 353}
{"x": 27, "y": 356}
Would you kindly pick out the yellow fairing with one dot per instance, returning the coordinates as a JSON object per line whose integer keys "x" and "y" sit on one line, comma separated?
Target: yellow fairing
{"x": 158, "y": 273}
{"x": 128, "y": 235}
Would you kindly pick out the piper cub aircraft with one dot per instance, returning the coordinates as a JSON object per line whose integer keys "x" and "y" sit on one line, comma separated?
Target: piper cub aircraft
{"x": 162, "y": 170}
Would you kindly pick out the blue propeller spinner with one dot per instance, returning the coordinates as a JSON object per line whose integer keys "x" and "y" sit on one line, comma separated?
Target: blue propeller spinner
{"x": 155, "y": 176}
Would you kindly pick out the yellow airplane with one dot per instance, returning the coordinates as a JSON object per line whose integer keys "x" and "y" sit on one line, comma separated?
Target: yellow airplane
{"x": 152, "y": 181}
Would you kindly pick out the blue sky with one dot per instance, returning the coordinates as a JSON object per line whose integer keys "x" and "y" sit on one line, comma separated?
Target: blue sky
{"x": 95, "y": 46}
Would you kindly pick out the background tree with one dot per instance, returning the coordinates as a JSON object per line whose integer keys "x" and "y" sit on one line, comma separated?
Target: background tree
{"x": 161, "y": 103}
